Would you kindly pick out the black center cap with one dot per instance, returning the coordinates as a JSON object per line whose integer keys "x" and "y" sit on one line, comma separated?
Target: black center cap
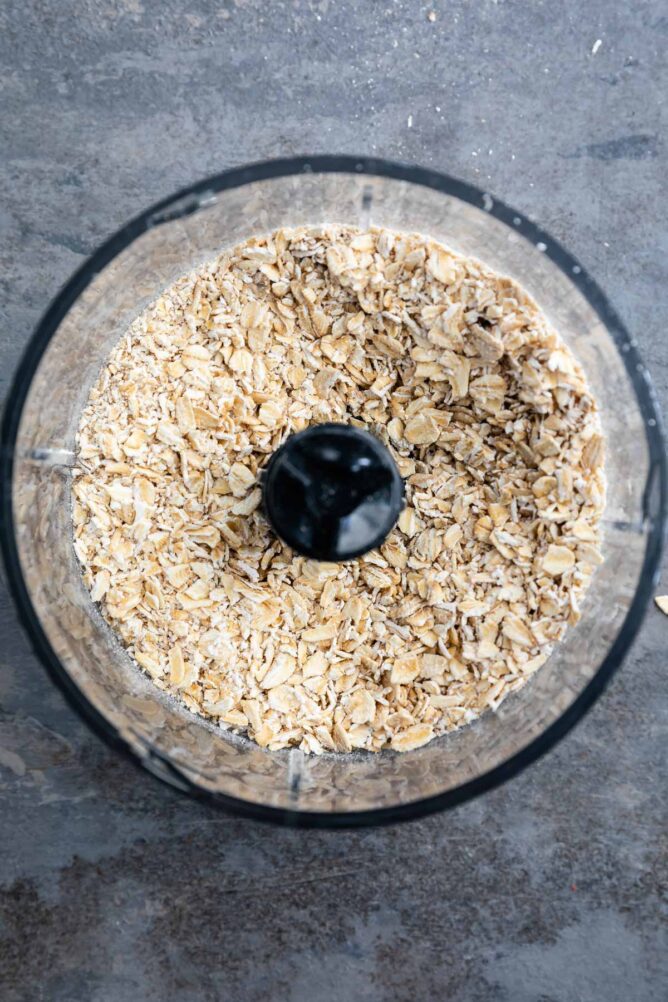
{"x": 332, "y": 492}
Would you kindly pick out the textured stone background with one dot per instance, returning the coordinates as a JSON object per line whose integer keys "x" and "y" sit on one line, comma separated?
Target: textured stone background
{"x": 113, "y": 888}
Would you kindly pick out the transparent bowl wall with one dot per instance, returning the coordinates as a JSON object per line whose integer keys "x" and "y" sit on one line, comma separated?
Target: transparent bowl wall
{"x": 64, "y": 359}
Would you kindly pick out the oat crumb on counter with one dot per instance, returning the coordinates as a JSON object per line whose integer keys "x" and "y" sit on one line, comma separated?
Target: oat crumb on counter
{"x": 662, "y": 603}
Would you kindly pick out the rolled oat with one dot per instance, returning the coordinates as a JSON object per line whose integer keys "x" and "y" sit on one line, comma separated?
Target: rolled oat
{"x": 487, "y": 415}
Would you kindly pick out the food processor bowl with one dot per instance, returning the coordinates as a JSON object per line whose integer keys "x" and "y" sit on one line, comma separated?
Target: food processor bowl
{"x": 83, "y": 655}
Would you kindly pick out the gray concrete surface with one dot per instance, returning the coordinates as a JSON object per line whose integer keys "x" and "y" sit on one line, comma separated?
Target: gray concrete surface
{"x": 115, "y": 889}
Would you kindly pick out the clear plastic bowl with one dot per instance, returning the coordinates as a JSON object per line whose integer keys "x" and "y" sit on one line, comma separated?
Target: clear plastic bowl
{"x": 81, "y": 653}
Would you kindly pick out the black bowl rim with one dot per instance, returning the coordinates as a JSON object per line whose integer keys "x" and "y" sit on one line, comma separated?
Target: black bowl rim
{"x": 188, "y": 200}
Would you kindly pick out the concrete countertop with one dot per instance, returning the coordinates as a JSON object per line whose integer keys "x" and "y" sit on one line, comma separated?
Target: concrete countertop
{"x": 114, "y": 888}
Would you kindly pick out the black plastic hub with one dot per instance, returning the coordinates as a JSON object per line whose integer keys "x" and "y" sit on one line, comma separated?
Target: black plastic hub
{"x": 332, "y": 492}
